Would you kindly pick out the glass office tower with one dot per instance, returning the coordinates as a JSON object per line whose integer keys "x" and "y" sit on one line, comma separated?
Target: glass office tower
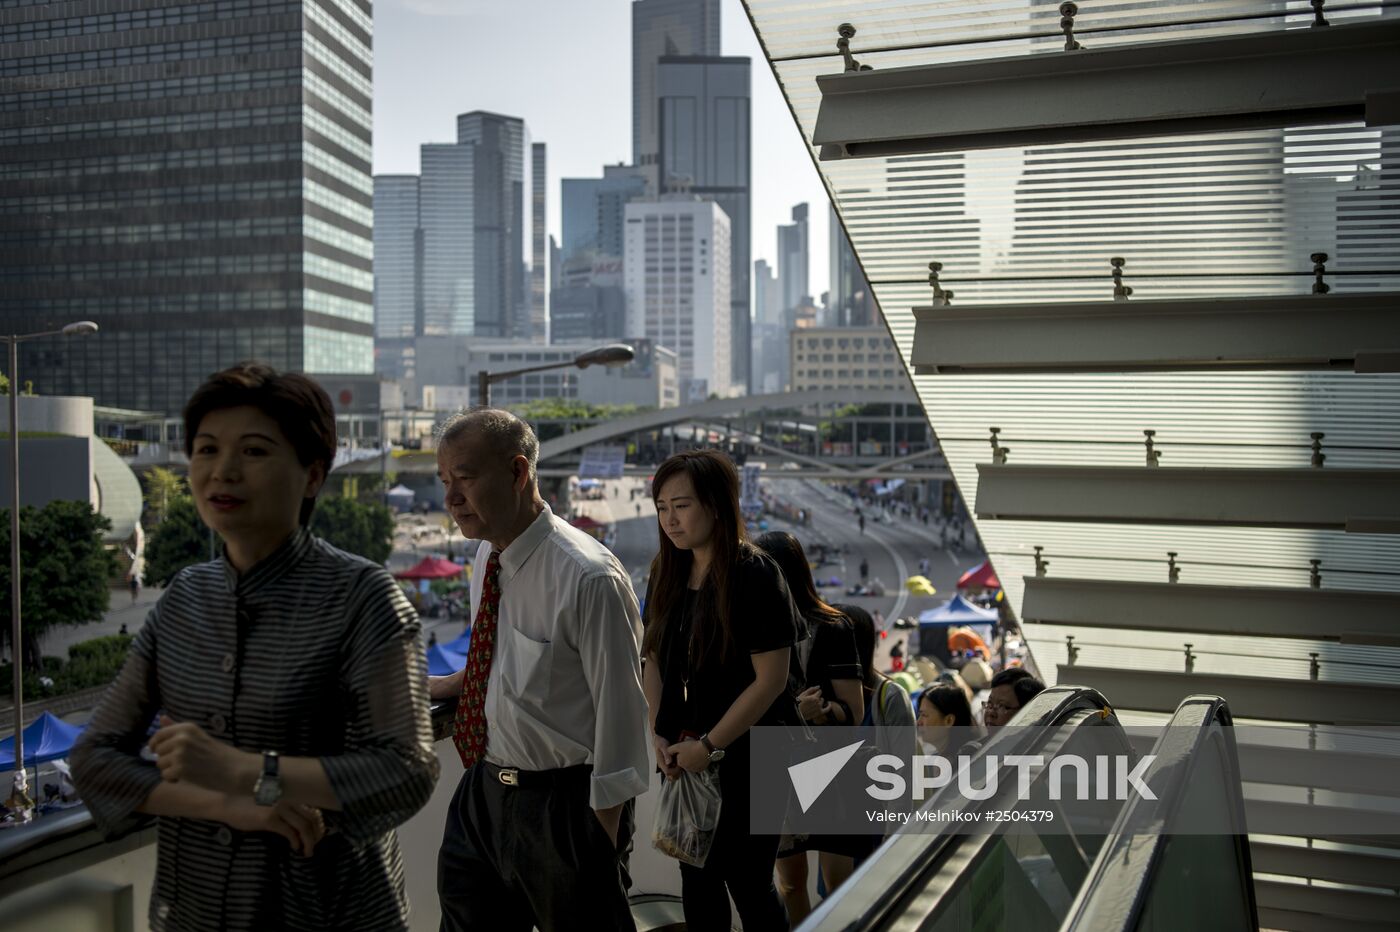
{"x": 195, "y": 178}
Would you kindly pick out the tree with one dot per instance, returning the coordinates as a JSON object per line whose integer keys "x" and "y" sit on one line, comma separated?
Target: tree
{"x": 180, "y": 540}
{"x": 163, "y": 486}
{"x": 64, "y": 573}
{"x": 363, "y": 529}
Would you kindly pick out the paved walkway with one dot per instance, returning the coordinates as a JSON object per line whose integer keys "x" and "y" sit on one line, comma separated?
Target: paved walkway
{"x": 122, "y": 611}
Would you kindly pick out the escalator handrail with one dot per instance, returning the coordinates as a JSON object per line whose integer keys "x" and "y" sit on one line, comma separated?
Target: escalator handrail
{"x": 902, "y": 864}
{"x": 1101, "y": 905}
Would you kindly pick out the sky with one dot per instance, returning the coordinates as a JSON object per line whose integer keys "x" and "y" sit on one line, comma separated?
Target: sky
{"x": 565, "y": 66}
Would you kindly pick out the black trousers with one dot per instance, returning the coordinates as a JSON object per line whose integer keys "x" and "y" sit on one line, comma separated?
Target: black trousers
{"x": 740, "y": 865}
{"x": 531, "y": 856}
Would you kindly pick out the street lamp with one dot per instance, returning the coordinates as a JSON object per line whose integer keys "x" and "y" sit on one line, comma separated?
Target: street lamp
{"x": 81, "y": 328}
{"x": 612, "y": 355}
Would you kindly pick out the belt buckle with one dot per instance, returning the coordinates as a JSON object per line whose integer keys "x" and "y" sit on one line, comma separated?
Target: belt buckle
{"x": 508, "y": 776}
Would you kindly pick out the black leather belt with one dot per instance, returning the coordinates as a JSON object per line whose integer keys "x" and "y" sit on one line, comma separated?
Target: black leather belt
{"x": 514, "y": 776}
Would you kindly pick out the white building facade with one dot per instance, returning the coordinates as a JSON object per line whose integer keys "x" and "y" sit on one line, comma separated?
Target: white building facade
{"x": 676, "y": 274}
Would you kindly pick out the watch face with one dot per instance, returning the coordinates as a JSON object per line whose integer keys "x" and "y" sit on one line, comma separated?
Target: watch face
{"x": 267, "y": 791}
{"x": 717, "y": 755}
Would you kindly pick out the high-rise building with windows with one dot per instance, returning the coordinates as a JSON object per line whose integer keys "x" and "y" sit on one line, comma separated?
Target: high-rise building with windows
{"x": 703, "y": 150}
{"x": 591, "y": 211}
{"x": 770, "y": 332}
{"x": 850, "y": 302}
{"x": 398, "y": 257}
{"x": 195, "y": 178}
{"x": 660, "y": 28}
{"x": 676, "y": 274}
{"x": 538, "y": 323}
{"x": 500, "y": 220}
{"x": 447, "y": 200}
{"x": 793, "y": 276}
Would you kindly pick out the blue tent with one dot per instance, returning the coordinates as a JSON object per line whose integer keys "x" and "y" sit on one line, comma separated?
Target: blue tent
{"x": 442, "y": 661}
{"x": 934, "y": 625}
{"x": 958, "y": 611}
{"x": 460, "y": 645}
{"x": 46, "y": 738}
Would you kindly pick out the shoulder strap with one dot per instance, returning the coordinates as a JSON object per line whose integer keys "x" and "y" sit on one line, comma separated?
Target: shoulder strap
{"x": 880, "y": 699}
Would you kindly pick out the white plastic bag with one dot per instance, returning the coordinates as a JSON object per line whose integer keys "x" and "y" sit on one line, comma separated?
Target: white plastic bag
{"x": 687, "y": 815}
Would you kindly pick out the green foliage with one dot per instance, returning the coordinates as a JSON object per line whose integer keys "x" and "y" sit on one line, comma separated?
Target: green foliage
{"x": 355, "y": 527}
{"x": 830, "y": 430}
{"x": 65, "y": 569}
{"x": 101, "y": 648}
{"x": 90, "y": 664}
{"x": 181, "y": 540}
{"x": 163, "y": 487}
{"x": 561, "y": 409}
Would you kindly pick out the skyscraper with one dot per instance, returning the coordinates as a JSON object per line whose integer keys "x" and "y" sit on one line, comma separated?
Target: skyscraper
{"x": 447, "y": 208}
{"x": 793, "y": 278}
{"x": 851, "y": 303}
{"x": 500, "y": 221}
{"x": 770, "y": 331}
{"x": 196, "y": 183}
{"x": 480, "y": 220}
{"x": 398, "y": 258}
{"x": 591, "y": 211}
{"x": 538, "y": 329}
{"x": 767, "y": 299}
{"x": 703, "y": 150}
{"x": 677, "y": 282}
{"x": 664, "y": 27}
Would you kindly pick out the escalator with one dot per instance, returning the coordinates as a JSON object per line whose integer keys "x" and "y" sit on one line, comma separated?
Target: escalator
{"x": 1103, "y": 865}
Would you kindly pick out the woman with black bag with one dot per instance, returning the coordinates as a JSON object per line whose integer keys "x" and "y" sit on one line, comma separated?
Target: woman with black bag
{"x": 833, "y": 696}
{"x": 720, "y": 630}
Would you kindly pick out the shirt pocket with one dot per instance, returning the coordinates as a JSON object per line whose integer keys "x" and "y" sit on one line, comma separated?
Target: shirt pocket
{"x": 525, "y": 664}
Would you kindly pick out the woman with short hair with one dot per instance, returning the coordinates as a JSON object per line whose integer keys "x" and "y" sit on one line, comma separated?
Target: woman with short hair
{"x": 290, "y": 684}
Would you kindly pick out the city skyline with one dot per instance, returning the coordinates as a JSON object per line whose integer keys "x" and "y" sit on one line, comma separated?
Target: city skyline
{"x": 419, "y": 42}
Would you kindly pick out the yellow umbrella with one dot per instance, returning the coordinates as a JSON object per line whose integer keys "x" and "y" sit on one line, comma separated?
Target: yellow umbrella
{"x": 919, "y": 585}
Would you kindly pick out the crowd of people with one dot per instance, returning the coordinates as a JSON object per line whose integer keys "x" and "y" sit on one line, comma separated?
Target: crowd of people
{"x": 288, "y": 688}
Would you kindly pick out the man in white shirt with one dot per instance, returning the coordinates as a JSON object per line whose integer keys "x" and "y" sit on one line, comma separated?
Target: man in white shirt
{"x": 551, "y": 720}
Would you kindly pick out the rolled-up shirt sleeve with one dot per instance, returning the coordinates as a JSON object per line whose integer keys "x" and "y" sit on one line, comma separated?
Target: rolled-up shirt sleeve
{"x": 608, "y": 646}
{"x": 108, "y": 769}
{"x": 388, "y": 768}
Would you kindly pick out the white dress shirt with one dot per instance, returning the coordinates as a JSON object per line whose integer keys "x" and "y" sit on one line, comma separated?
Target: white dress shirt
{"x": 566, "y": 681}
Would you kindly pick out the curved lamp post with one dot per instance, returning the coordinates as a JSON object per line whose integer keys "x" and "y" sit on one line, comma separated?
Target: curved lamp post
{"x": 81, "y": 328}
{"x": 612, "y": 355}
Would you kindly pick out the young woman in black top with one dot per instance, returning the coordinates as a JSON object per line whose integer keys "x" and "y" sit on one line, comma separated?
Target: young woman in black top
{"x": 833, "y": 696}
{"x": 720, "y": 630}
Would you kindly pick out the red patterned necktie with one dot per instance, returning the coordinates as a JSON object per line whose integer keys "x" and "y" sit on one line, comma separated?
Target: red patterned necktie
{"x": 469, "y": 729}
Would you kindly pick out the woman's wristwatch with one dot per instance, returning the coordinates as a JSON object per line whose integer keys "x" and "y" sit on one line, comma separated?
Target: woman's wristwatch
{"x": 716, "y": 754}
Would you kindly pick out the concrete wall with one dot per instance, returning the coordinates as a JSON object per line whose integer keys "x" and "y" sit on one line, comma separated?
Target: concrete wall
{"x": 50, "y": 414}
{"x": 50, "y": 468}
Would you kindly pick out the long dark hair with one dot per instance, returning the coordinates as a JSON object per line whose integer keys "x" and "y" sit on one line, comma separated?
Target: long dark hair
{"x": 787, "y": 552}
{"x": 864, "y": 627}
{"x": 716, "y": 483}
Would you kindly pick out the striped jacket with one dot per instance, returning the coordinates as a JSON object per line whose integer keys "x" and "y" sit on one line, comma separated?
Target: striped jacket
{"x": 313, "y": 652}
